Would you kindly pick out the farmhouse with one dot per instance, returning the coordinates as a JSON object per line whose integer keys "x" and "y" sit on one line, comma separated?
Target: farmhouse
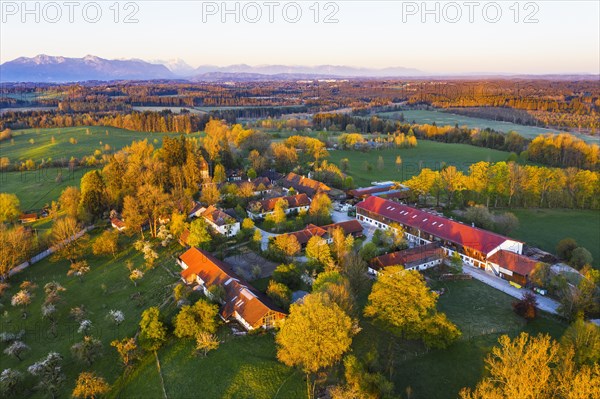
{"x": 240, "y": 301}
{"x": 260, "y": 209}
{"x": 220, "y": 221}
{"x": 352, "y": 227}
{"x": 474, "y": 245}
{"x": 28, "y": 217}
{"x": 303, "y": 185}
{"x": 512, "y": 266}
{"x": 417, "y": 258}
{"x": 117, "y": 223}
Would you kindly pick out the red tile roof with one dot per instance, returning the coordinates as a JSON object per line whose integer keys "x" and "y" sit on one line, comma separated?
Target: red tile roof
{"x": 294, "y": 201}
{"x": 311, "y": 230}
{"x": 217, "y": 216}
{"x": 304, "y": 184}
{"x": 117, "y": 223}
{"x": 240, "y": 297}
{"x": 471, "y": 237}
{"x": 514, "y": 262}
{"x": 349, "y": 226}
{"x": 409, "y": 257}
{"x": 307, "y": 233}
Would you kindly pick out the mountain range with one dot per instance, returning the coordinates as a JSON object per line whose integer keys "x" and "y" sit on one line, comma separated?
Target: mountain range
{"x": 57, "y": 69}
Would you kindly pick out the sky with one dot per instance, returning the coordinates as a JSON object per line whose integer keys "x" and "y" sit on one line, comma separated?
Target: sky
{"x": 536, "y": 37}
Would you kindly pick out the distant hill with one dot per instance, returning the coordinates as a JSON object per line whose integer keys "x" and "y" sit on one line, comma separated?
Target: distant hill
{"x": 45, "y": 68}
{"x": 308, "y": 71}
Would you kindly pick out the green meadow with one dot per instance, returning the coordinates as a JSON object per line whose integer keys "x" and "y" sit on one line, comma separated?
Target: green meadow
{"x": 37, "y": 188}
{"x": 64, "y": 143}
{"x": 442, "y": 118}
{"x": 544, "y": 228}
{"x": 427, "y": 154}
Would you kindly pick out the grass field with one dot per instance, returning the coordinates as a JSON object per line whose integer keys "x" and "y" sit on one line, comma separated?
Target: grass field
{"x": 242, "y": 367}
{"x": 446, "y": 118}
{"x": 62, "y": 149}
{"x": 428, "y": 154}
{"x": 481, "y": 312}
{"x": 544, "y": 228}
{"x": 105, "y": 287}
{"x": 37, "y": 188}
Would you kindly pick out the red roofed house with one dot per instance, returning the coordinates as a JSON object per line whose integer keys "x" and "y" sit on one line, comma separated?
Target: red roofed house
{"x": 304, "y": 185}
{"x": 417, "y": 258}
{"x": 220, "y": 221}
{"x": 352, "y": 227}
{"x": 473, "y": 244}
{"x": 241, "y": 301}
{"x": 117, "y": 224}
{"x": 260, "y": 209}
{"x": 28, "y": 217}
{"x": 512, "y": 266}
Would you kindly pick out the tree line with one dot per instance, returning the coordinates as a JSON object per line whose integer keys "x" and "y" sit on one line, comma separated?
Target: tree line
{"x": 509, "y": 184}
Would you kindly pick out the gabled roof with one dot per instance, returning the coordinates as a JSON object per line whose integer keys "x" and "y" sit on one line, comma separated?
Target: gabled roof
{"x": 409, "y": 257}
{"x": 516, "y": 263}
{"x": 471, "y": 237}
{"x": 217, "y": 216}
{"x": 311, "y": 230}
{"x": 294, "y": 201}
{"x": 304, "y": 184}
{"x": 307, "y": 233}
{"x": 364, "y": 192}
{"x": 349, "y": 226}
{"x": 240, "y": 297}
{"x": 117, "y": 223}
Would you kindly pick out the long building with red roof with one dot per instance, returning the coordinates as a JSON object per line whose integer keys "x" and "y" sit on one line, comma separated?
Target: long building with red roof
{"x": 241, "y": 301}
{"x": 474, "y": 245}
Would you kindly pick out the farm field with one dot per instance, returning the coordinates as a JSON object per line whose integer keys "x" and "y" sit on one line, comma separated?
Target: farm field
{"x": 446, "y": 118}
{"x": 40, "y": 187}
{"x": 544, "y": 228}
{"x": 43, "y": 147}
{"x": 428, "y": 154}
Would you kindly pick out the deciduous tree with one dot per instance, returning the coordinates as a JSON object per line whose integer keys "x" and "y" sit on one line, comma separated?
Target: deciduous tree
{"x": 315, "y": 335}
{"x": 90, "y": 386}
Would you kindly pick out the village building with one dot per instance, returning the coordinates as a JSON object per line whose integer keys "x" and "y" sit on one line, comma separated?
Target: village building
{"x": 239, "y": 301}
{"x": 474, "y": 245}
{"x": 417, "y": 258}
{"x": 260, "y": 185}
{"x": 260, "y": 209}
{"x": 513, "y": 267}
{"x": 388, "y": 190}
{"x": 350, "y": 227}
{"x": 118, "y": 224}
{"x": 303, "y": 185}
{"x": 28, "y": 217}
{"x": 220, "y": 221}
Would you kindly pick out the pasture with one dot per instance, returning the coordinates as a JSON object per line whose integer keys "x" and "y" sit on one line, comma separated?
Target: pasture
{"x": 483, "y": 314}
{"x": 37, "y": 188}
{"x": 64, "y": 143}
{"x": 544, "y": 228}
{"x": 428, "y": 154}
{"x": 104, "y": 288}
{"x": 446, "y": 118}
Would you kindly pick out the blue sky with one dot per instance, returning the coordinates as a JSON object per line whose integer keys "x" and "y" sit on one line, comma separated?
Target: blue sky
{"x": 565, "y": 38}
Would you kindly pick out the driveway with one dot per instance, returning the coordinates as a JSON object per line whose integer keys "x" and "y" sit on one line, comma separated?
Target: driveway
{"x": 544, "y": 303}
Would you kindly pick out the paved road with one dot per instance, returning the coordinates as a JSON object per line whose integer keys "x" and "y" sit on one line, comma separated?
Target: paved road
{"x": 544, "y": 303}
